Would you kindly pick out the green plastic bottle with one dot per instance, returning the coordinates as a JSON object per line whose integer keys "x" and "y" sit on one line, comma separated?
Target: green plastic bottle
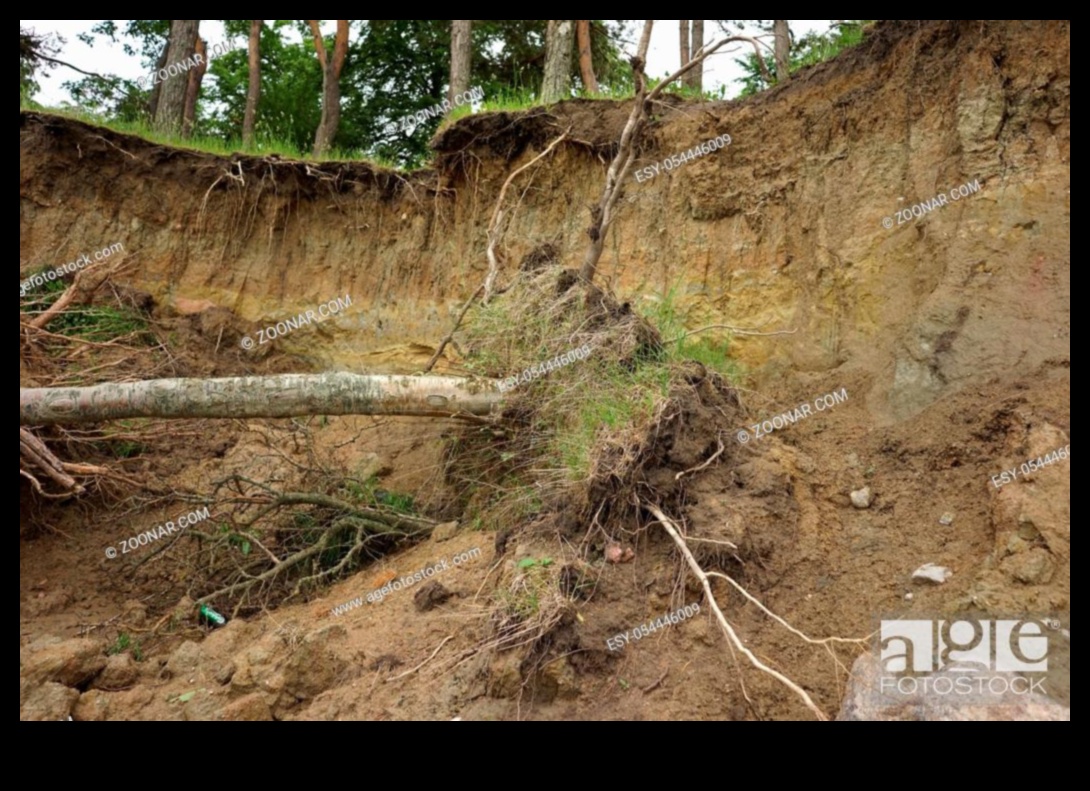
{"x": 210, "y": 617}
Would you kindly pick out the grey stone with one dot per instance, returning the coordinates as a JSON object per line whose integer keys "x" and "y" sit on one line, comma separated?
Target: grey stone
{"x": 862, "y": 498}
{"x": 867, "y": 699}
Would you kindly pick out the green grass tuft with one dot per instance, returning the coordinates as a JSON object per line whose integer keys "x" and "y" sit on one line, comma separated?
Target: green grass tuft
{"x": 679, "y": 346}
{"x": 95, "y": 323}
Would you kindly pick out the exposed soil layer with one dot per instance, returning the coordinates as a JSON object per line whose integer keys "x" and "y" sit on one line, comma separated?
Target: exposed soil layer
{"x": 948, "y": 332}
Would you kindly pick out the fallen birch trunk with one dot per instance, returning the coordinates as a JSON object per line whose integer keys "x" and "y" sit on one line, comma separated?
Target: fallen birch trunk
{"x": 288, "y": 395}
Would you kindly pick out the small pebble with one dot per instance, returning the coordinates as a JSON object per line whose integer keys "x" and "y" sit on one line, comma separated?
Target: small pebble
{"x": 929, "y": 572}
{"x": 946, "y": 519}
{"x": 862, "y": 498}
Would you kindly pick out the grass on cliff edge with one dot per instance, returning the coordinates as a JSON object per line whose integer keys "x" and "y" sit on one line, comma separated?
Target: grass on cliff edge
{"x": 208, "y": 144}
{"x": 581, "y": 424}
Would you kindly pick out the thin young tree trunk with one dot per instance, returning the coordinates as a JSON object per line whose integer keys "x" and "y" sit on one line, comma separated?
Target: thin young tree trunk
{"x": 461, "y": 56}
{"x": 170, "y": 110}
{"x": 253, "y": 93}
{"x": 331, "y": 84}
{"x": 695, "y": 78}
{"x": 603, "y": 213}
{"x": 193, "y": 88}
{"x": 683, "y": 39}
{"x": 782, "y": 34}
{"x": 287, "y": 395}
{"x": 559, "y": 39}
{"x": 586, "y": 59}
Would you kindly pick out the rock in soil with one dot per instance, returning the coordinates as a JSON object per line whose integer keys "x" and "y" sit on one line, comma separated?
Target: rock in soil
{"x": 929, "y": 572}
{"x": 869, "y": 700}
{"x": 862, "y": 498}
{"x": 431, "y": 596}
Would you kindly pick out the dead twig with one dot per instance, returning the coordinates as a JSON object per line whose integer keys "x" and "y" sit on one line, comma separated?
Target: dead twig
{"x": 736, "y": 331}
{"x": 446, "y": 640}
{"x": 35, "y": 451}
{"x": 67, "y": 298}
{"x": 604, "y": 212}
{"x": 454, "y": 329}
{"x": 652, "y": 687}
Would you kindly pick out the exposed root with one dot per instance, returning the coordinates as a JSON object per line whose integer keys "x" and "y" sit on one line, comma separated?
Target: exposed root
{"x": 496, "y": 224}
{"x": 438, "y": 648}
{"x": 669, "y": 526}
{"x": 707, "y": 463}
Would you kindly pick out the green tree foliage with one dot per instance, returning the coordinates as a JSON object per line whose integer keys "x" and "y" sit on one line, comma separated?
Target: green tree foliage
{"x": 509, "y": 56}
{"x": 37, "y": 52}
{"x": 810, "y": 49}
{"x": 290, "y": 106}
{"x": 29, "y": 48}
{"x": 394, "y": 68}
{"x": 115, "y": 97}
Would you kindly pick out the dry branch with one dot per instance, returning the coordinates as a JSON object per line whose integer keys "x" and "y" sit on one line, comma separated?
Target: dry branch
{"x": 603, "y": 214}
{"x": 389, "y": 522}
{"x": 450, "y": 335}
{"x": 33, "y": 450}
{"x": 735, "y": 330}
{"x": 438, "y": 648}
{"x": 363, "y": 523}
{"x": 73, "y": 292}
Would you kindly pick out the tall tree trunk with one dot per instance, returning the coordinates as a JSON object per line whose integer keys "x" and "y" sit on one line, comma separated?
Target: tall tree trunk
{"x": 559, "y": 40}
{"x": 170, "y": 110}
{"x": 461, "y": 57}
{"x": 331, "y": 84}
{"x": 193, "y": 88}
{"x": 253, "y": 93}
{"x": 586, "y": 57}
{"x": 782, "y": 34}
{"x": 683, "y": 39}
{"x": 287, "y": 395}
{"x": 153, "y": 102}
{"x": 695, "y": 78}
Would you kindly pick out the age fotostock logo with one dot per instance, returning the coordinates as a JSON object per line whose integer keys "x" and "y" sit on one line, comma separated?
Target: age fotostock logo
{"x": 967, "y": 656}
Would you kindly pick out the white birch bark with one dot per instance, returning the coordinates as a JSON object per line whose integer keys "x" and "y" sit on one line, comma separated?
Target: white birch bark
{"x": 287, "y": 395}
